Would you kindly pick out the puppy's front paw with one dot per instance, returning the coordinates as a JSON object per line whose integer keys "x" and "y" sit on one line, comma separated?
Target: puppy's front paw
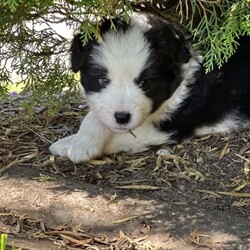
{"x": 61, "y": 147}
{"x": 77, "y": 150}
{"x": 83, "y": 152}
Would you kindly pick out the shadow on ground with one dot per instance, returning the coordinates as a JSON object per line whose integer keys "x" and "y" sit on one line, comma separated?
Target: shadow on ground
{"x": 171, "y": 225}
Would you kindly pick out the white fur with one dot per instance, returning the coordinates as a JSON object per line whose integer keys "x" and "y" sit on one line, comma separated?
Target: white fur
{"x": 124, "y": 56}
{"x": 140, "y": 20}
{"x": 145, "y": 136}
{"x": 87, "y": 144}
{"x": 229, "y": 123}
{"x": 94, "y": 139}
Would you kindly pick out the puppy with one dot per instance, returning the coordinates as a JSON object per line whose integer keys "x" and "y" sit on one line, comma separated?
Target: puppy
{"x": 146, "y": 86}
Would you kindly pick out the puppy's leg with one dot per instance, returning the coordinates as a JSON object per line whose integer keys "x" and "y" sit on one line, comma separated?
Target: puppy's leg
{"x": 145, "y": 136}
{"x": 61, "y": 146}
{"x": 87, "y": 144}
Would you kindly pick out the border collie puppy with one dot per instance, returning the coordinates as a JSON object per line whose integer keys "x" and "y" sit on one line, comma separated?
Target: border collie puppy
{"x": 146, "y": 86}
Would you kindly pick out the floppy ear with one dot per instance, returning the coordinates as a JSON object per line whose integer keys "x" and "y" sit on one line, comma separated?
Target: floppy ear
{"x": 184, "y": 54}
{"x": 169, "y": 42}
{"x": 77, "y": 53}
{"x": 80, "y": 52}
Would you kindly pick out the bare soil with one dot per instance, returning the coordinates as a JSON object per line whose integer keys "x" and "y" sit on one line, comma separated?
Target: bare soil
{"x": 195, "y": 195}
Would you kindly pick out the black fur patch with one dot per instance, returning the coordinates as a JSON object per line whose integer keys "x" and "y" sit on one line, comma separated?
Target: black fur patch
{"x": 214, "y": 95}
{"x": 163, "y": 69}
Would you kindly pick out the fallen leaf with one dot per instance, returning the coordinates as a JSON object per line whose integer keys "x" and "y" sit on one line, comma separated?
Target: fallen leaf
{"x": 212, "y": 193}
{"x": 224, "y": 151}
{"x": 128, "y": 218}
{"x": 97, "y": 162}
{"x": 241, "y": 186}
{"x": 246, "y": 168}
{"x": 139, "y": 187}
{"x": 122, "y": 234}
{"x": 246, "y": 195}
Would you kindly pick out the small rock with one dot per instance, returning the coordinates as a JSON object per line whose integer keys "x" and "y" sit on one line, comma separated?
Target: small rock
{"x": 163, "y": 152}
{"x": 199, "y": 160}
{"x": 182, "y": 187}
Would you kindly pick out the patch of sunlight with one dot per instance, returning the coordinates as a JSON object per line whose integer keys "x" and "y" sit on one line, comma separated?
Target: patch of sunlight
{"x": 15, "y": 88}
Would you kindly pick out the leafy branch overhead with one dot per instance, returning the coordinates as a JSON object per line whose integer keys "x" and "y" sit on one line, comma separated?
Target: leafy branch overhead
{"x": 32, "y": 48}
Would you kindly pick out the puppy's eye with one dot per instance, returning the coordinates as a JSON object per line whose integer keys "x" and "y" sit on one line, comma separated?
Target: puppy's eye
{"x": 143, "y": 83}
{"x": 103, "y": 82}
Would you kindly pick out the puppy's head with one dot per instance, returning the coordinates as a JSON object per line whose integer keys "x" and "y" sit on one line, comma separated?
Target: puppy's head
{"x": 132, "y": 71}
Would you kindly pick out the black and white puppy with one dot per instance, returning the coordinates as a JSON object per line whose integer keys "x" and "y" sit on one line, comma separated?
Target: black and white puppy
{"x": 143, "y": 77}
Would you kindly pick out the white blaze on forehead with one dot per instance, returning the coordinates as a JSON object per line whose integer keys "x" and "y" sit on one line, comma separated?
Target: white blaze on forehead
{"x": 124, "y": 53}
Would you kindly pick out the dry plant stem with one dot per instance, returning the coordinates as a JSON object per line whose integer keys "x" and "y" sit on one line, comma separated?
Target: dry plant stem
{"x": 132, "y": 133}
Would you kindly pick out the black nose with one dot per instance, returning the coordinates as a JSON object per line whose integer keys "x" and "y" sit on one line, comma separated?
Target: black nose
{"x": 122, "y": 117}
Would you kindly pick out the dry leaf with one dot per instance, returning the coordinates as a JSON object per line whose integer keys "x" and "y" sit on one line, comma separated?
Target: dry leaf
{"x": 139, "y": 187}
{"x": 30, "y": 156}
{"x": 244, "y": 149}
{"x": 212, "y": 193}
{"x": 122, "y": 234}
{"x": 241, "y": 186}
{"x": 204, "y": 138}
{"x": 245, "y": 195}
{"x": 224, "y": 151}
{"x": 246, "y": 168}
{"x": 98, "y": 162}
{"x": 128, "y": 218}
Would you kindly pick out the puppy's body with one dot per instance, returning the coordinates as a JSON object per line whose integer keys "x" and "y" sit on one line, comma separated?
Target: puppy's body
{"x": 144, "y": 77}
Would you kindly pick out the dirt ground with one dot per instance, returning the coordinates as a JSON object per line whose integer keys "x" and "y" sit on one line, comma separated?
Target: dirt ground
{"x": 195, "y": 195}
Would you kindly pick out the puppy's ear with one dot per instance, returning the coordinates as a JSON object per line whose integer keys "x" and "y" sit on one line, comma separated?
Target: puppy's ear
{"x": 169, "y": 42}
{"x": 184, "y": 54}
{"x": 77, "y": 53}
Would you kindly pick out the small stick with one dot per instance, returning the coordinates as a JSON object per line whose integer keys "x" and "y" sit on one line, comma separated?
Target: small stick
{"x": 132, "y": 133}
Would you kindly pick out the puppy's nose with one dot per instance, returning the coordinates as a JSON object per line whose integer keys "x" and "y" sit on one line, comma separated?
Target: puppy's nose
{"x": 122, "y": 117}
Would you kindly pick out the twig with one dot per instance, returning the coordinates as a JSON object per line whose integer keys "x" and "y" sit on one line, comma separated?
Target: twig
{"x": 242, "y": 157}
{"x": 42, "y": 137}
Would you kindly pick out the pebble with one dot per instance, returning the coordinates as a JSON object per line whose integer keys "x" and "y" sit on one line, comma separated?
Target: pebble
{"x": 163, "y": 152}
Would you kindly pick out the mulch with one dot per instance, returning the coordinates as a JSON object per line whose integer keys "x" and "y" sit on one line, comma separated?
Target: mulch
{"x": 213, "y": 170}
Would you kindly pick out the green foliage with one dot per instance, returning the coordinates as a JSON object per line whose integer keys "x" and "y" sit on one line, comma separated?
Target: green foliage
{"x": 3, "y": 241}
{"x": 31, "y": 47}
{"x": 221, "y": 24}
{"x": 11, "y": 4}
{"x": 99, "y": 10}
